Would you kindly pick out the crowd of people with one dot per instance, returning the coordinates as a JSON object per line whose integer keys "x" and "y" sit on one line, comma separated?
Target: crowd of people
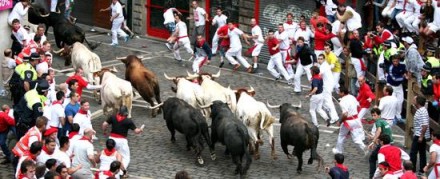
{"x": 53, "y": 125}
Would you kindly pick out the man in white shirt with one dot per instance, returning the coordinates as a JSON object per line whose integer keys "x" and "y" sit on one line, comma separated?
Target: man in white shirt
{"x": 305, "y": 32}
{"x": 117, "y": 20}
{"x": 84, "y": 154}
{"x": 83, "y": 117}
{"x": 200, "y": 17}
{"x": 49, "y": 150}
{"x": 21, "y": 36}
{"x": 283, "y": 38}
{"x": 19, "y": 11}
{"x": 234, "y": 35}
{"x": 388, "y": 105}
{"x": 219, "y": 20}
{"x": 57, "y": 116}
{"x": 330, "y": 10}
{"x": 169, "y": 22}
{"x": 40, "y": 32}
{"x": 257, "y": 37}
{"x": 64, "y": 156}
{"x": 180, "y": 36}
{"x": 327, "y": 77}
{"x": 350, "y": 17}
{"x": 290, "y": 27}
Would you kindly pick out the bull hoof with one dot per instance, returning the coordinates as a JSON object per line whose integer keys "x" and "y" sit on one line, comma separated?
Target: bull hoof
{"x": 213, "y": 156}
{"x": 310, "y": 161}
{"x": 200, "y": 161}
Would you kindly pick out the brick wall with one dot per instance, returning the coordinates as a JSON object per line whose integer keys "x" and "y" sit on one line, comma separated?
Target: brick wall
{"x": 247, "y": 8}
{"x": 139, "y": 17}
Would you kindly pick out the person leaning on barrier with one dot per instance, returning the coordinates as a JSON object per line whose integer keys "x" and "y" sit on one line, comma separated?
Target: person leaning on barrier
{"x": 427, "y": 86}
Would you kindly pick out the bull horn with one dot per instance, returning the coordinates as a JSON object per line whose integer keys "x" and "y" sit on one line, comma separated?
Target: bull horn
{"x": 217, "y": 74}
{"x": 120, "y": 58}
{"x": 205, "y": 106}
{"x": 154, "y": 107}
{"x": 271, "y": 106}
{"x": 59, "y": 51}
{"x": 251, "y": 89}
{"x": 167, "y": 77}
{"x": 45, "y": 15}
{"x": 191, "y": 75}
{"x": 114, "y": 69}
{"x": 297, "y": 106}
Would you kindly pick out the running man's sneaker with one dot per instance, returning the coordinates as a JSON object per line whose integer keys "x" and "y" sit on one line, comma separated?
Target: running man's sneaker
{"x": 169, "y": 46}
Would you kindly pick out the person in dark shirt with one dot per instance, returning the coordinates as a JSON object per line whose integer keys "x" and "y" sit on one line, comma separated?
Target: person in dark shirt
{"x": 339, "y": 171}
{"x": 315, "y": 94}
{"x": 395, "y": 78}
{"x": 120, "y": 126}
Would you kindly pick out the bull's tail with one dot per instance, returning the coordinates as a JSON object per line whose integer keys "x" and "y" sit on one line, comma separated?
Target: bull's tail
{"x": 92, "y": 45}
{"x": 127, "y": 101}
{"x": 247, "y": 155}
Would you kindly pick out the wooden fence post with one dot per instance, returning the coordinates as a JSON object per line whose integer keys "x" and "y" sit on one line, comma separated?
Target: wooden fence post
{"x": 409, "y": 113}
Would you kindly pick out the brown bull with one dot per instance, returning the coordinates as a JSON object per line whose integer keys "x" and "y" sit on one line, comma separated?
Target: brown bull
{"x": 143, "y": 80}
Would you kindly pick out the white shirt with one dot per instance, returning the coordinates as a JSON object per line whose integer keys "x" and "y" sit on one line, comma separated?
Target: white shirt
{"x": 399, "y": 4}
{"x": 220, "y": 20}
{"x": 64, "y": 158}
{"x": 73, "y": 142}
{"x": 43, "y": 67}
{"x": 435, "y": 148}
{"x": 199, "y": 16}
{"x": 349, "y": 105}
{"x": 307, "y": 34}
{"x": 81, "y": 150}
{"x": 10, "y": 63}
{"x": 290, "y": 29}
{"x": 84, "y": 121}
{"x": 21, "y": 35}
{"x": 329, "y": 6}
{"x": 43, "y": 38}
{"x": 106, "y": 161}
{"x": 436, "y": 20}
{"x": 327, "y": 76}
{"x": 354, "y": 22}
{"x": 388, "y": 106}
{"x": 416, "y": 6}
{"x": 117, "y": 9}
{"x": 43, "y": 157}
{"x": 168, "y": 16}
{"x": 18, "y": 12}
{"x": 56, "y": 112}
{"x": 183, "y": 30}
{"x": 283, "y": 37}
{"x": 256, "y": 30}
{"x": 234, "y": 37}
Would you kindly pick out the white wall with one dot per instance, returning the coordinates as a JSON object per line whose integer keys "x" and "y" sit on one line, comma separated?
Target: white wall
{"x": 5, "y": 41}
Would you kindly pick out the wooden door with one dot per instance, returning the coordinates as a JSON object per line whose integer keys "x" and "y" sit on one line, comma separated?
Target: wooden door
{"x": 101, "y": 19}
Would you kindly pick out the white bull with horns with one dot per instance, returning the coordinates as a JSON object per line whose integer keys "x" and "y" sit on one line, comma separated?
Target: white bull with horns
{"x": 187, "y": 91}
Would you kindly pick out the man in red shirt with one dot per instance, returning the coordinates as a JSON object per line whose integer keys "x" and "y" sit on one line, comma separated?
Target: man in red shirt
{"x": 224, "y": 42}
{"x": 81, "y": 82}
{"x": 316, "y": 19}
{"x": 6, "y": 121}
{"x": 384, "y": 34}
{"x": 392, "y": 154}
{"x": 365, "y": 96}
{"x": 275, "y": 57}
{"x": 321, "y": 36}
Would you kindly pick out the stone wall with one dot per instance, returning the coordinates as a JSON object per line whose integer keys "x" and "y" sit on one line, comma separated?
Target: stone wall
{"x": 247, "y": 8}
{"x": 139, "y": 17}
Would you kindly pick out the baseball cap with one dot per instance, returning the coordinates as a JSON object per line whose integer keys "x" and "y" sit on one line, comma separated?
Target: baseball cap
{"x": 35, "y": 56}
{"x": 387, "y": 43}
{"x": 408, "y": 40}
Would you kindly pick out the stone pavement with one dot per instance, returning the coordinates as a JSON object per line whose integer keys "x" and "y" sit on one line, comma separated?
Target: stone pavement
{"x": 152, "y": 153}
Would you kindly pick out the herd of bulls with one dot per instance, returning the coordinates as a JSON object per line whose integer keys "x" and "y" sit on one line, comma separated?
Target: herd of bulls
{"x": 237, "y": 120}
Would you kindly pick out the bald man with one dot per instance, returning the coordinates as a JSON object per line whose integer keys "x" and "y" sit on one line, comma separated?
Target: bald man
{"x": 84, "y": 155}
{"x": 365, "y": 96}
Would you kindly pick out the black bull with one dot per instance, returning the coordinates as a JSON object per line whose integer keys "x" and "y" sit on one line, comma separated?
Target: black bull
{"x": 181, "y": 116}
{"x": 299, "y": 133}
{"x": 230, "y": 131}
{"x": 65, "y": 32}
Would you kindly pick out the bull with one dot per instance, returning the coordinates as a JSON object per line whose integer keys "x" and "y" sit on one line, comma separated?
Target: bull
{"x": 257, "y": 119}
{"x": 299, "y": 133}
{"x": 213, "y": 91}
{"x": 181, "y": 116}
{"x": 114, "y": 96}
{"x": 143, "y": 80}
{"x": 186, "y": 90}
{"x": 86, "y": 59}
{"x": 230, "y": 131}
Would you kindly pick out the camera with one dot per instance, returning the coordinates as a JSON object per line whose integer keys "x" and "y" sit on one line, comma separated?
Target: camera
{"x": 373, "y": 34}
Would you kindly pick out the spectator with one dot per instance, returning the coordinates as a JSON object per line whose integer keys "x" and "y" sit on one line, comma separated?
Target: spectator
{"x": 391, "y": 154}
{"x": 81, "y": 82}
{"x": 57, "y": 115}
{"x": 388, "y": 105}
{"x": 407, "y": 170}
{"x": 182, "y": 175}
{"x": 19, "y": 12}
{"x": 395, "y": 78}
{"x": 84, "y": 117}
{"x": 385, "y": 171}
{"x": 48, "y": 151}
{"x": 427, "y": 84}
{"x": 321, "y": 36}
{"x": 52, "y": 175}
{"x": 6, "y": 122}
{"x": 339, "y": 171}
{"x": 70, "y": 111}
{"x": 8, "y": 66}
{"x": 306, "y": 58}
{"x": 69, "y": 8}
{"x": 51, "y": 165}
{"x": 434, "y": 23}
{"x": 434, "y": 161}
{"x": 84, "y": 155}
{"x": 64, "y": 156}
{"x": 413, "y": 60}
{"x": 40, "y": 32}
{"x": 200, "y": 17}
{"x": 19, "y": 37}
{"x": 34, "y": 151}
{"x": 411, "y": 23}
{"x": 113, "y": 171}
{"x": 330, "y": 10}
{"x": 109, "y": 155}
{"x": 62, "y": 170}
{"x": 27, "y": 170}
{"x": 349, "y": 16}
{"x": 316, "y": 19}
{"x": 382, "y": 36}
{"x": 421, "y": 133}
{"x": 432, "y": 60}
{"x": 356, "y": 58}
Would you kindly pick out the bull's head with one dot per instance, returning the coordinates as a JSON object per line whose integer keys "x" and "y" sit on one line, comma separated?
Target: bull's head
{"x": 100, "y": 74}
{"x": 250, "y": 92}
{"x": 37, "y": 14}
{"x": 130, "y": 59}
{"x": 278, "y": 106}
{"x": 200, "y": 77}
{"x": 66, "y": 53}
{"x": 175, "y": 79}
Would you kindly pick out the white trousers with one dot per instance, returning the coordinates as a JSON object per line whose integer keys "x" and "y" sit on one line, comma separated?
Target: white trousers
{"x": 380, "y": 71}
{"x": 337, "y": 46}
{"x": 197, "y": 63}
{"x": 183, "y": 42}
{"x": 328, "y": 103}
{"x": 275, "y": 61}
{"x": 357, "y": 134}
{"x": 432, "y": 173}
{"x": 215, "y": 43}
{"x": 336, "y": 77}
{"x": 401, "y": 17}
{"x": 362, "y": 112}
{"x": 398, "y": 93}
{"x": 237, "y": 53}
{"x": 412, "y": 23}
{"x": 387, "y": 11}
{"x": 116, "y": 29}
{"x": 123, "y": 149}
{"x": 299, "y": 71}
{"x": 53, "y": 5}
{"x": 289, "y": 68}
{"x": 257, "y": 50}
{"x": 316, "y": 102}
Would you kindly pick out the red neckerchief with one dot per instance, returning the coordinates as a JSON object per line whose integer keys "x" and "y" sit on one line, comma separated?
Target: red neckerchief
{"x": 253, "y": 25}
{"x": 71, "y": 134}
{"x": 342, "y": 167}
{"x": 317, "y": 76}
{"x": 85, "y": 138}
{"x": 82, "y": 112}
{"x": 290, "y": 22}
{"x": 108, "y": 173}
{"x": 304, "y": 29}
{"x": 200, "y": 43}
{"x": 29, "y": 154}
{"x": 47, "y": 151}
{"x": 109, "y": 152}
{"x": 57, "y": 102}
{"x": 119, "y": 117}
{"x": 436, "y": 141}
{"x": 21, "y": 176}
